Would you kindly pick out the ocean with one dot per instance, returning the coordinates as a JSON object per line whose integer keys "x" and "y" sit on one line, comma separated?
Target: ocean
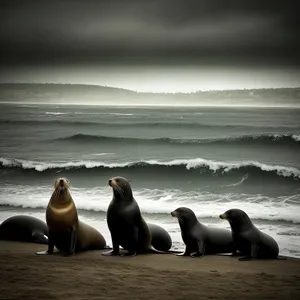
{"x": 209, "y": 159}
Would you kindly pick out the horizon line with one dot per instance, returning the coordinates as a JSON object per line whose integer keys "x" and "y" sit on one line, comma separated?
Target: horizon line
{"x": 150, "y": 105}
{"x": 138, "y": 92}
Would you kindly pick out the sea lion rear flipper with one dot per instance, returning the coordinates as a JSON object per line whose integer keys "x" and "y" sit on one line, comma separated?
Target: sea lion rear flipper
{"x": 153, "y": 250}
{"x": 50, "y": 246}
{"x": 39, "y": 238}
{"x": 281, "y": 257}
{"x": 187, "y": 252}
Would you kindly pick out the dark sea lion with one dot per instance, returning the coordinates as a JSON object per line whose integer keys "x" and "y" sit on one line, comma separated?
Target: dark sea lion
{"x": 24, "y": 229}
{"x": 248, "y": 239}
{"x": 200, "y": 239}
{"x": 127, "y": 226}
{"x": 161, "y": 239}
{"x": 66, "y": 232}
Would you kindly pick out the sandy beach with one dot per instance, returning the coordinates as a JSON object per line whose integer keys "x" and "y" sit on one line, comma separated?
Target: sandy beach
{"x": 89, "y": 275}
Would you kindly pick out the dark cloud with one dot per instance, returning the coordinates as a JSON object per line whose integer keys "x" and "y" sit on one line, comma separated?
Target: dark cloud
{"x": 149, "y": 30}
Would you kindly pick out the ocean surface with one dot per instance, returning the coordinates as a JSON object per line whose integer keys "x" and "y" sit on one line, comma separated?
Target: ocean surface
{"x": 208, "y": 159}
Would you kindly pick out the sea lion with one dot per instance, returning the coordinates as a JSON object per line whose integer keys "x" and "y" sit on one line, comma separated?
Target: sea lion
{"x": 200, "y": 239}
{"x": 248, "y": 239}
{"x": 161, "y": 239}
{"x": 66, "y": 232}
{"x": 127, "y": 226}
{"x": 24, "y": 229}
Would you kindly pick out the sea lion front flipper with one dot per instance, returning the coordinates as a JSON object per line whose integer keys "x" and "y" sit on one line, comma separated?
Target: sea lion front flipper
{"x": 254, "y": 250}
{"x": 246, "y": 258}
{"x": 115, "y": 250}
{"x": 201, "y": 250}
{"x": 110, "y": 253}
{"x": 43, "y": 253}
{"x": 234, "y": 251}
{"x": 129, "y": 253}
{"x": 253, "y": 255}
{"x": 73, "y": 238}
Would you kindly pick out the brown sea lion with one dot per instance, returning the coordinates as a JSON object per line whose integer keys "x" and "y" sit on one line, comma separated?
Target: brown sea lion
{"x": 66, "y": 232}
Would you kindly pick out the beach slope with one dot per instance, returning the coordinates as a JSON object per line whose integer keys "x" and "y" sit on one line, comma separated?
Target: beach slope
{"x": 90, "y": 275}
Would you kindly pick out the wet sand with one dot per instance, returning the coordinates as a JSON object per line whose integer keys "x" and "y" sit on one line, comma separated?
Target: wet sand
{"x": 89, "y": 275}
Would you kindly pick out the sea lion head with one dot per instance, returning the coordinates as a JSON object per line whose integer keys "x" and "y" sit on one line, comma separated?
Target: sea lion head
{"x": 61, "y": 184}
{"x": 61, "y": 192}
{"x": 121, "y": 188}
{"x": 237, "y": 219}
{"x": 186, "y": 217}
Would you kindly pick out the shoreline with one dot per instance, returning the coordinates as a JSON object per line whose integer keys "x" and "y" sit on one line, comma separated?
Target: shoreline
{"x": 89, "y": 275}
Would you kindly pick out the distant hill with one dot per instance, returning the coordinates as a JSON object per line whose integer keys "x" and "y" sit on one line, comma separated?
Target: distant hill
{"x": 102, "y": 95}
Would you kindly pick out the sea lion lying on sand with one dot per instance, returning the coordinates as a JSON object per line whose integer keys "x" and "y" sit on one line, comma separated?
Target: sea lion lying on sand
{"x": 24, "y": 229}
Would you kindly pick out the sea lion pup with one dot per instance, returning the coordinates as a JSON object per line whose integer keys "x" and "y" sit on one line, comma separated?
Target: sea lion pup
{"x": 248, "y": 239}
{"x": 125, "y": 222}
{"x": 66, "y": 232}
{"x": 24, "y": 229}
{"x": 200, "y": 239}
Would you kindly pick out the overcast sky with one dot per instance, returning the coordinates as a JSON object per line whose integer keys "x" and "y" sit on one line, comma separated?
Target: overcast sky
{"x": 142, "y": 35}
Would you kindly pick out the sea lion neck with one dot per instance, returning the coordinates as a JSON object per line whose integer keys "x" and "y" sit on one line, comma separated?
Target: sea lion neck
{"x": 240, "y": 224}
{"x": 126, "y": 197}
{"x": 61, "y": 199}
{"x": 188, "y": 222}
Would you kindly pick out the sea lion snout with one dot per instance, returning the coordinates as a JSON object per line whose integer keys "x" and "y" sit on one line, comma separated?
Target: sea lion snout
{"x": 174, "y": 213}
{"x": 112, "y": 182}
{"x": 61, "y": 184}
{"x": 223, "y": 216}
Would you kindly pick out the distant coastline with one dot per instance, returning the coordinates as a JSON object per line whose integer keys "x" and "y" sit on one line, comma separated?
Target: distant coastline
{"x": 81, "y": 94}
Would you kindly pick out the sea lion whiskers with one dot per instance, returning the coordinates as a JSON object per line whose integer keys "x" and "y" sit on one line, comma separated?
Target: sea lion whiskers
{"x": 177, "y": 215}
{"x": 181, "y": 221}
{"x": 120, "y": 191}
{"x": 116, "y": 187}
{"x": 55, "y": 195}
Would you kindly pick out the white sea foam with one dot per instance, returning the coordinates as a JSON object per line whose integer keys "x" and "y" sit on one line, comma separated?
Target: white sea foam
{"x": 54, "y": 113}
{"x": 102, "y": 154}
{"x": 205, "y": 205}
{"x": 120, "y": 114}
{"x": 157, "y": 204}
{"x": 296, "y": 137}
{"x": 188, "y": 163}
